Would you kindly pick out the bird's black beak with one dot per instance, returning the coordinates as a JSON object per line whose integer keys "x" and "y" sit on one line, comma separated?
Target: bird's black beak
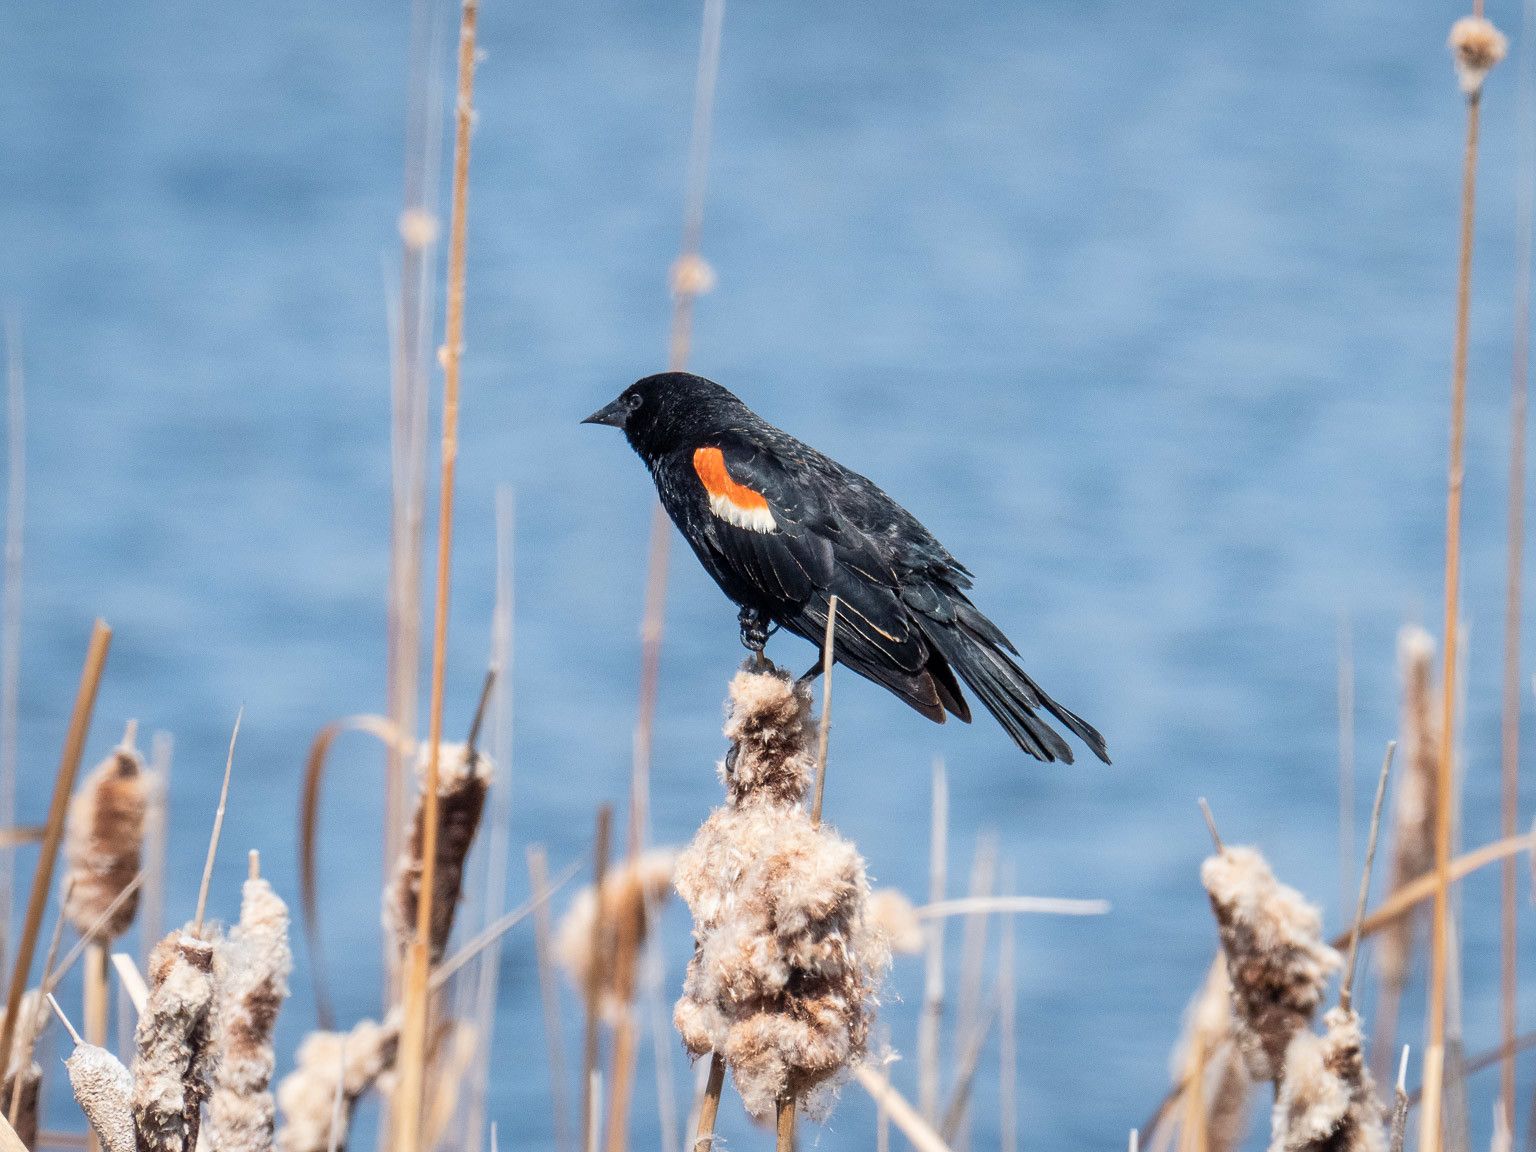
{"x": 612, "y": 415}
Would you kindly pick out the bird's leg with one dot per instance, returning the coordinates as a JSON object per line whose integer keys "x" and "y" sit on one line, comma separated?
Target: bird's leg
{"x": 754, "y": 633}
{"x": 809, "y": 677}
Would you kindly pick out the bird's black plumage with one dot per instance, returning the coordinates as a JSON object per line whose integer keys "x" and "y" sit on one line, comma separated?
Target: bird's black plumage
{"x": 783, "y": 528}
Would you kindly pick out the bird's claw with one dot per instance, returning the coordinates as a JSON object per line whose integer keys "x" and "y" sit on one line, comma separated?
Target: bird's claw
{"x": 754, "y": 634}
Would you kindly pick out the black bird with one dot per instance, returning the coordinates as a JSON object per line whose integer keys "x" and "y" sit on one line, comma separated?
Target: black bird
{"x": 783, "y": 528}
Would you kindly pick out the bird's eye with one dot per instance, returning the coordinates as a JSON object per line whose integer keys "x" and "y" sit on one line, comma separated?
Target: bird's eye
{"x": 633, "y": 401}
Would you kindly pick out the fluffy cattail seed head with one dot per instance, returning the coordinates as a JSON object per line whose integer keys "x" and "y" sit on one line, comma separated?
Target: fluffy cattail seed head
{"x": 104, "y": 840}
{"x": 1327, "y": 1100}
{"x": 104, "y": 1090}
{"x": 1276, "y": 958}
{"x": 463, "y": 779}
{"x": 254, "y": 965}
{"x": 175, "y": 1044}
{"x": 630, "y": 891}
{"x": 786, "y": 963}
{"x": 892, "y": 915}
{"x": 1476, "y": 47}
{"x": 352, "y": 1062}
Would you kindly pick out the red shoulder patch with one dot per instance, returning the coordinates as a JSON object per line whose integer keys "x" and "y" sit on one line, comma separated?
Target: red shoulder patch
{"x": 732, "y": 502}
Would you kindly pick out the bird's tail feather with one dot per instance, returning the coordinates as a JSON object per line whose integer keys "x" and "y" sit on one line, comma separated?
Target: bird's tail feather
{"x": 1012, "y": 696}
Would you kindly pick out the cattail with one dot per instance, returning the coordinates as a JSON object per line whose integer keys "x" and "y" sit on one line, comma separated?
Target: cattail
{"x": 175, "y": 1044}
{"x": 890, "y": 913}
{"x": 1276, "y": 958}
{"x": 786, "y": 963}
{"x": 104, "y": 839}
{"x": 1413, "y": 823}
{"x": 1476, "y": 47}
{"x": 1327, "y": 1099}
{"x": 464, "y": 777}
{"x": 629, "y": 892}
{"x": 104, "y": 1090}
{"x": 350, "y": 1063}
{"x": 254, "y": 967}
{"x": 1209, "y": 1049}
{"x": 23, "y": 1078}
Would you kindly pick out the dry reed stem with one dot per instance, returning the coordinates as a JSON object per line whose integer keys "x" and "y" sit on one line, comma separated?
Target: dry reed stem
{"x": 1008, "y": 1045}
{"x": 1346, "y": 990}
{"x": 64, "y": 782}
{"x": 1346, "y": 705}
{"x": 175, "y": 1044}
{"x": 549, "y": 995}
{"x": 9, "y": 1140}
{"x": 1397, "y": 1129}
{"x": 917, "y": 1130}
{"x": 95, "y": 1008}
{"x": 104, "y": 837}
{"x": 10, "y": 606}
{"x": 21, "y": 1077}
{"x": 709, "y": 1105}
{"x": 824, "y": 732}
{"x": 254, "y": 966}
{"x": 592, "y": 990}
{"x": 152, "y": 902}
{"x": 1477, "y": 48}
{"x": 956, "y": 1126}
{"x": 355, "y": 1061}
{"x": 218, "y": 828}
{"x": 1043, "y": 905}
{"x": 393, "y": 738}
{"x": 413, "y": 1038}
{"x": 1209, "y": 1059}
{"x": 1509, "y": 721}
{"x": 928, "y": 1031}
{"x": 133, "y": 983}
{"x": 784, "y": 1128}
{"x": 496, "y": 929}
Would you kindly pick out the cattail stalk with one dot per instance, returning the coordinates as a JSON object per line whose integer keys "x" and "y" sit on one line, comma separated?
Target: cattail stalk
{"x": 413, "y": 1040}
{"x": 933, "y": 968}
{"x": 592, "y": 990}
{"x": 549, "y": 995}
{"x": 10, "y": 605}
{"x": 1477, "y": 47}
{"x": 64, "y": 782}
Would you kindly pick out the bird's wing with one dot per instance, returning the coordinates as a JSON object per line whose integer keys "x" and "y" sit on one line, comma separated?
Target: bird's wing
{"x": 781, "y": 531}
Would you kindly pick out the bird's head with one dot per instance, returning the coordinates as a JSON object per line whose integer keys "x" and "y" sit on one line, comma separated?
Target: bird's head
{"x": 669, "y": 411}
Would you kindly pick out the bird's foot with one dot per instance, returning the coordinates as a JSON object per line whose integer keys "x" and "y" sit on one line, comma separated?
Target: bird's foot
{"x": 754, "y": 634}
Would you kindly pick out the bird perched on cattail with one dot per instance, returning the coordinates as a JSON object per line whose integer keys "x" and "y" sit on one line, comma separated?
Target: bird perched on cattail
{"x": 783, "y": 528}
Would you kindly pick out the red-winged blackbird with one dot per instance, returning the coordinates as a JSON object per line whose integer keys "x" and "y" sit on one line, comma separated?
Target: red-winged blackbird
{"x": 783, "y": 528}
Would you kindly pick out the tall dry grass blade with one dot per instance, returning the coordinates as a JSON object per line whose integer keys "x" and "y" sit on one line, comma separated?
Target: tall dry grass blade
{"x": 498, "y": 928}
{"x": 1476, "y": 46}
{"x": 1509, "y": 725}
{"x": 931, "y": 1020}
{"x": 917, "y": 1130}
{"x": 218, "y": 829}
{"x": 413, "y": 1037}
{"x": 10, "y": 608}
{"x": 1008, "y": 1046}
{"x": 1346, "y": 990}
{"x": 63, "y": 785}
{"x": 591, "y": 993}
{"x": 956, "y": 1126}
{"x": 156, "y": 828}
{"x": 1017, "y": 905}
{"x": 1346, "y": 680}
{"x": 549, "y": 995}
{"x": 971, "y": 1021}
{"x": 824, "y": 732}
{"x": 393, "y": 738}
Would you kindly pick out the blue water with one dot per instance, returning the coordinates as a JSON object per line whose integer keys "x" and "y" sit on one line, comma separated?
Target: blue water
{"x": 1145, "y": 308}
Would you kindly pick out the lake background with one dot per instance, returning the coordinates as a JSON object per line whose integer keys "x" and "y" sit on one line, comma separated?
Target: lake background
{"x": 1144, "y": 308}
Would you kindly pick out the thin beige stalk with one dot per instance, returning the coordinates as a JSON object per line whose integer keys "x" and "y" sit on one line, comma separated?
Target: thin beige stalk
{"x": 928, "y": 1032}
{"x": 1008, "y": 1047}
{"x": 825, "y": 731}
{"x": 549, "y": 995}
{"x": 971, "y": 1020}
{"x": 96, "y": 1008}
{"x": 63, "y": 785}
{"x": 1398, "y": 1129}
{"x": 1434, "y": 1056}
{"x": 413, "y": 1039}
{"x": 784, "y": 1128}
{"x": 152, "y": 903}
{"x": 1346, "y": 989}
{"x": 10, "y": 610}
{"x": 1346, "y": 679}
{"x": 1509, "y": 726}
{"x": 218, "y": 829}
{"x": 917, "y": 1130}
{"x": 592, "y": 991}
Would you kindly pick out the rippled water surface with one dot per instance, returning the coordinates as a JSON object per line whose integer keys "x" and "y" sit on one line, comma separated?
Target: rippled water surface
{"x": 1145, "y": 308}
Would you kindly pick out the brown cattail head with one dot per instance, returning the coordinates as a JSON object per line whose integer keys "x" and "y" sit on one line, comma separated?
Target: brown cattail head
{"x": 351, "y": 1062}
{"x": 253, "y": 968}
{"x": 890, "y": 913}
{"x": 1327, "y": 1100}
{"x": 1276, "y": 958}
{"x": 104, "y": 1090}
{"x": 1476, "y": 47}
{"x": 630, "y": 892}
{"x": 105, "y": 837}
{"x": 786, "y": 961}
{"x": 464, "y": 777}
{"x": 175, "y": 1044}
